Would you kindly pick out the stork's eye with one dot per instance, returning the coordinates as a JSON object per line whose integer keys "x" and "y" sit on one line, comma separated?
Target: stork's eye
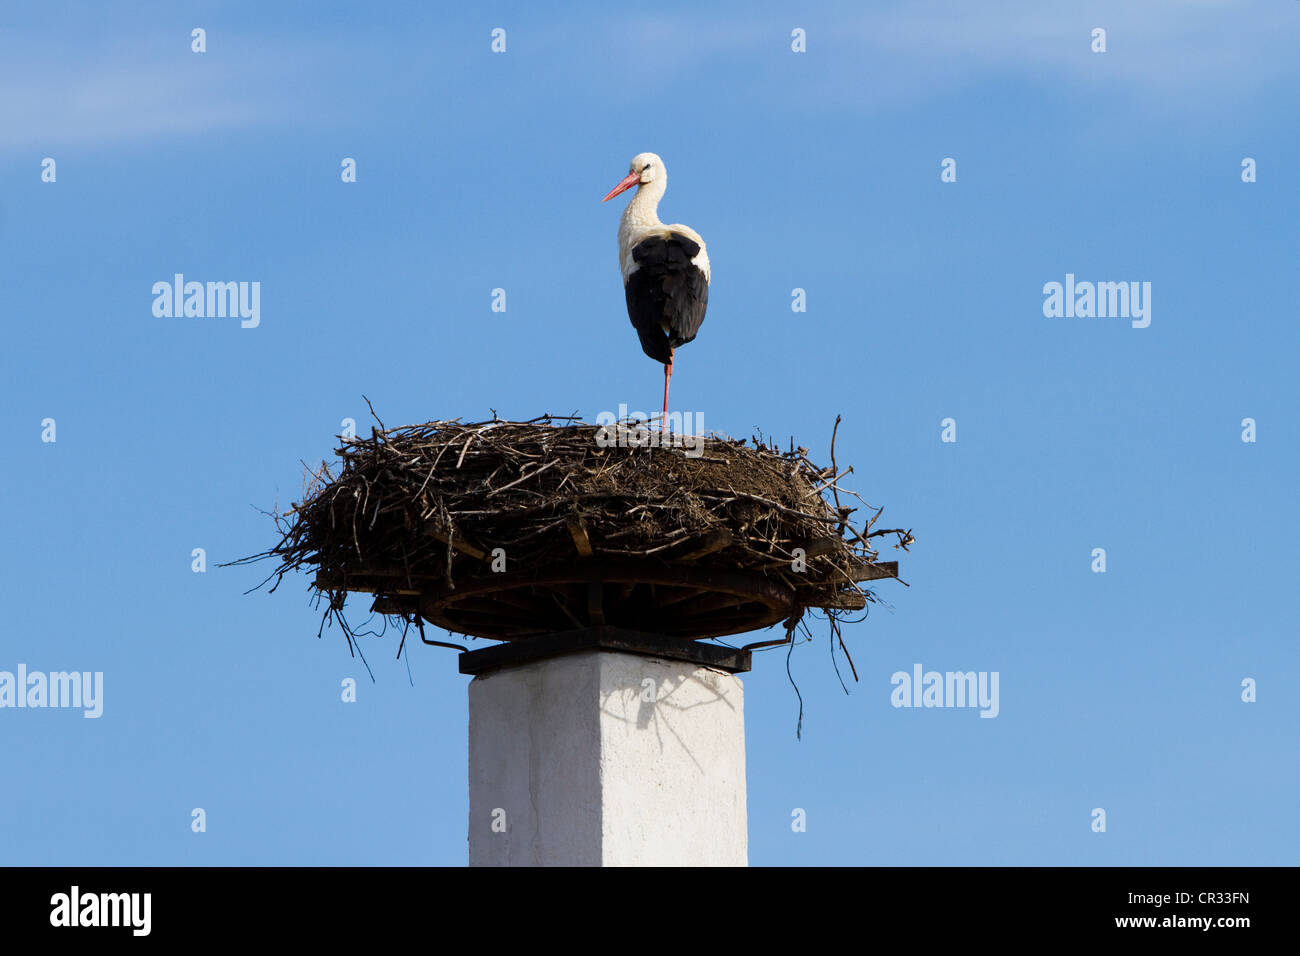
{"x": 645, "y": 167}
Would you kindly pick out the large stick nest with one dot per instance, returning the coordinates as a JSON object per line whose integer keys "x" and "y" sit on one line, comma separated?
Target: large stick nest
{"x": 506, "y": 529}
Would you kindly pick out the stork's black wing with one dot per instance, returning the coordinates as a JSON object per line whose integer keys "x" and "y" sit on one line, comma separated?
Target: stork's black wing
{"x": 667, "y": 294}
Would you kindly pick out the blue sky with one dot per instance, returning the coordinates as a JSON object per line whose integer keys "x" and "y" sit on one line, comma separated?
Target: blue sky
{"x": 816, "y": 170}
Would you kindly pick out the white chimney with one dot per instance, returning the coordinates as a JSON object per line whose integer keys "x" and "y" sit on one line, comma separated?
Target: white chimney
{"x": 606, "y": 747}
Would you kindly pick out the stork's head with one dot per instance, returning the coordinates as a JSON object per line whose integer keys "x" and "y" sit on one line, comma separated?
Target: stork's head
{"x": 644, "y": 168}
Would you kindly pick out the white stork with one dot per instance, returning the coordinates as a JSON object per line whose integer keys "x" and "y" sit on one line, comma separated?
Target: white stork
{"x": 665, "y": 268}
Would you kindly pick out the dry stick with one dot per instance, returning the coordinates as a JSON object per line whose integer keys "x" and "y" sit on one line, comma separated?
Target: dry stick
{"x": 548, "y": 418}
{"x": 847, "y": 655}
{"x": 432, "y": 469}
{"x": 354, "y": 532}
{"x": 563, "y": 607}
{"x": 531, "y": 474}
{"x": 372, "y": 412}
{"x": 662, "y": 547}
{"x": 365, "y": 500}
{"x": 832, "y": 482}
{"x": 465, "y": 449}
{"x": 834, "y": 468}
{"x": 487, "y": 482}
{"x": 462, "y": 546}
{"x": 535, "y": 532}
{"x": 771, "y": 504}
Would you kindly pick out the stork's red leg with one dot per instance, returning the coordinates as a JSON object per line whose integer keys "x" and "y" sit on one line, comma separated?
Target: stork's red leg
{"x": 668, "y": 373}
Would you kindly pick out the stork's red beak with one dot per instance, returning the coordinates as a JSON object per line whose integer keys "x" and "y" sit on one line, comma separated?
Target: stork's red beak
{"x": 632, "y": 179}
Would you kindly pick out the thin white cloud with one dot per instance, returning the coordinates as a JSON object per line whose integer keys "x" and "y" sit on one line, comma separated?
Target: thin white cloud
{"x": 113, "y": 103}
{"x": 1170, "y": 54}
{"x": 156, "y": 88}
{"x": 1156, "y": 46}
{"x": 895, "y": 53}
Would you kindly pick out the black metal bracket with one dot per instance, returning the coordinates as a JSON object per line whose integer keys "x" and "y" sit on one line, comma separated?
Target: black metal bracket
{"x": 515, "y": 653}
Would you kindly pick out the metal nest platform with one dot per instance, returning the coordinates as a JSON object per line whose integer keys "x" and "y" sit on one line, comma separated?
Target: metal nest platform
{"x": 682, "y": 601}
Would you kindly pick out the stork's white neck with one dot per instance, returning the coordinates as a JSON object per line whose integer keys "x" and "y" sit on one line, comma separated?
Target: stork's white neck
{"x": 643, "y": 210}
